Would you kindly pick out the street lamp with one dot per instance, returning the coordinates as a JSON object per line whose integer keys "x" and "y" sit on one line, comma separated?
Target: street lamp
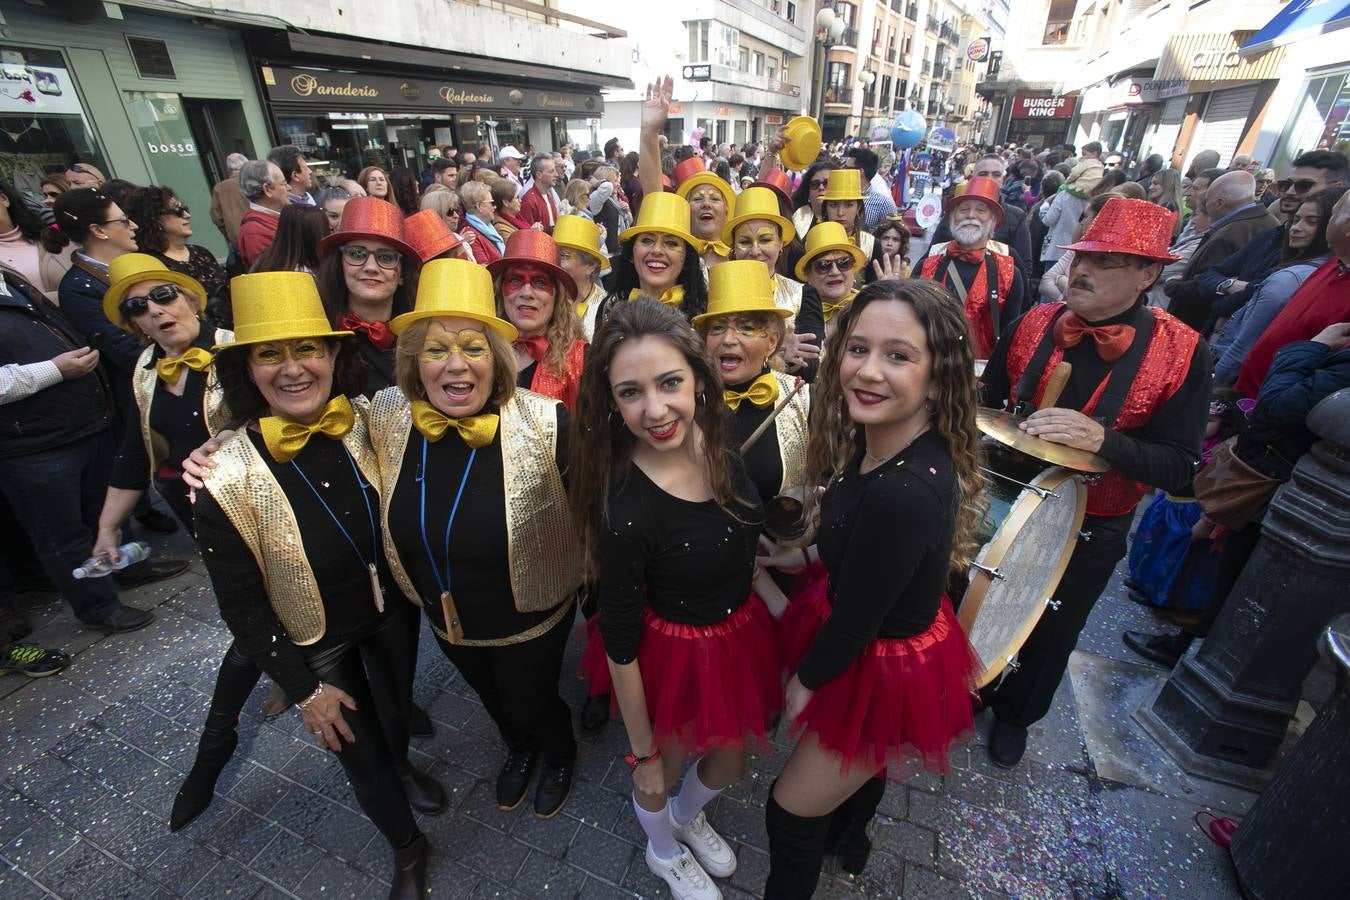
{"x": 829, "y": 29}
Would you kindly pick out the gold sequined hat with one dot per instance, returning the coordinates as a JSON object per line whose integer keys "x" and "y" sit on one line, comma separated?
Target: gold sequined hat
{"x": 844, "y": 184}
{"x": 740, "y": 286}
{"x": 581, "y": 234}
{"x": 823, "y": 238}
{"x": 277, "y": 306}
{"x": 129, "y": 270}
{"x": 801, "y": 143}
{"x": 455, "y": 288}
{"x": 663, "y": 213}
{"x": 758, "y": 203}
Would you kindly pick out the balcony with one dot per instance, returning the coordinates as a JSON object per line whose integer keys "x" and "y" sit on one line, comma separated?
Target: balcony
{"x": 848, "y": 38}
{"x": 898, "y": 5}
{"x": 899, "y": 104}
{"x": 932, "y": 107}
{"x": 933, "y": 25}
{"x": 835, "y": 94}
{"x": 912, "y": 12}
{"x": 926, "y": 68}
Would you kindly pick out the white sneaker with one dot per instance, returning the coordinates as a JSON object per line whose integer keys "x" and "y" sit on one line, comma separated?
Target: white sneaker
{"x": 707, "y": 845}
{"x": 684, "y": 876}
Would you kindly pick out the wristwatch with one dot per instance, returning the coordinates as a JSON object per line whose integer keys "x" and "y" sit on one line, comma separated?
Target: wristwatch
{"x": 1225, "y": 285}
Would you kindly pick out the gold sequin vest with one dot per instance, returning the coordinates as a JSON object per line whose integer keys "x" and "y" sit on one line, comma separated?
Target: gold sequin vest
{"x": 215, "y": 413}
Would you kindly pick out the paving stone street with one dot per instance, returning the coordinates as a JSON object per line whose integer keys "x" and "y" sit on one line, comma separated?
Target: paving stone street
{"x": 90, "y": 761}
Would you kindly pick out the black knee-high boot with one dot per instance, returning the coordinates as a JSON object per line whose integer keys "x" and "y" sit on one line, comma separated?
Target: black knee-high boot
{"x": 848, "y": 836}
{"x": 235, "y": 681}
{"x": 796, "y": 852}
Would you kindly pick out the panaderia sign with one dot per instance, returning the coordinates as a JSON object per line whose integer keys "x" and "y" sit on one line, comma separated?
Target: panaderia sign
{"x": 348, "y": 90}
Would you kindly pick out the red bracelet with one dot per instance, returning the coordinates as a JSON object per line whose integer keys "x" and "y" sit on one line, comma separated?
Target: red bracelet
{"x": 635, "y": 761}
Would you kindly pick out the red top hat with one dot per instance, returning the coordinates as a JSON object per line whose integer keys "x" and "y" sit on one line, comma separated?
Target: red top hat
{"x": 533, "y": 246}
{"x": 667, "y": 184}
{"x": 369, "y": 218}
{"x": 778, "y": 181}
{"x": 428, "y": 234}
{"x": 688, "y": 169}
{"x": 986, "y": 189}
{"x": 1134, "y": 227}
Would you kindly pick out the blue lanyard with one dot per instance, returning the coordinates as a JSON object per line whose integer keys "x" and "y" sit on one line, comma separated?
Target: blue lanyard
{"x": 442, "y": 583}
{"x": 361, "y": 482}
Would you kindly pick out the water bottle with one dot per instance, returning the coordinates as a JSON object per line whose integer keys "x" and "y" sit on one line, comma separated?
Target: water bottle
{"x": 98, "y": 566}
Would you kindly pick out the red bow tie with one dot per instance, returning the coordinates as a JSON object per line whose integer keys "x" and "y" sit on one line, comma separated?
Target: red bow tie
{"x": 535, "y": 347}
{"x": 1112, "y": 340}
{"x": 956, "y": 251}
{"x": 378, "y": 333}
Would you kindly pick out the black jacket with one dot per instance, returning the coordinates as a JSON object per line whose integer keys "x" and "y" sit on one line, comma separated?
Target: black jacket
{"x": 33, "y": 329}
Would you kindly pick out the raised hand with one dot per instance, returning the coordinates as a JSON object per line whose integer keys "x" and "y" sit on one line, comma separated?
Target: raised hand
{"x": 656, "y": 108}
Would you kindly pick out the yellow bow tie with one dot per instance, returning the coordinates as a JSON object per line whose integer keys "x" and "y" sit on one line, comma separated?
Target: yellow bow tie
{"x": 762, "y": 392}
{"x": 195, "y": 358}
{"x": 476, "y": 431}
{"x": 718, "y": 248}
{"x": 829, "y": 309}
{"x": 673, "y": 296}
{"x": 581, "y": 309}
{"x": 285, "y": 439}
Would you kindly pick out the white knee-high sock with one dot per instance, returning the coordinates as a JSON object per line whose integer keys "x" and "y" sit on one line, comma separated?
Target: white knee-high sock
{"x": 658, "y": 829}
{"x": 693, "y": 796}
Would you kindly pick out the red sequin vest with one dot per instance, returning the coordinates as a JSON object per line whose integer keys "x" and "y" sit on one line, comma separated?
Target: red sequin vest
{"x": 562, "y": 386}
{"x": 1161, "y": 373}
{"x": 977, "y": 298}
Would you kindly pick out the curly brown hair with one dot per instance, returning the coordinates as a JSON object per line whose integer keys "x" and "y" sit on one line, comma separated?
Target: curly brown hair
{"x": 600, "y": 447}
{"x": 564, "y": 326}
{"x": 834, "y": 437}
{"x": 145, "y": 207}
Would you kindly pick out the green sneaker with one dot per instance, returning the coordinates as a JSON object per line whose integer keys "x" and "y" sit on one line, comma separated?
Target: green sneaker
{"x": 32, "y": 660}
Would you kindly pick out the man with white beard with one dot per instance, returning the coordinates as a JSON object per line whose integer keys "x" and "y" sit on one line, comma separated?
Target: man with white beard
{"x": 976, "y": 270}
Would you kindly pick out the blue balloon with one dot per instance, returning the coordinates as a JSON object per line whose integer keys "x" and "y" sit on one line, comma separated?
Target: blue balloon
{"x": 908, "y": 130}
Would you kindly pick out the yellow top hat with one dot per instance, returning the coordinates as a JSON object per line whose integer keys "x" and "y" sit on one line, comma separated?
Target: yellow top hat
{"x": 129, "y": 270}
{"x": 455, "y": 288}
{"x": 802, "y": 144}
{"x": 825, "y": 237}
{"x": 757, "y": 203}
{"x": 845, "y": 184}
{"x": 740, "y": 286}
{"x": 664, "y": 213}
{"x": 580, "y": 233}
{"x": 277, "y": 306}
{"x": 702, "y": 176}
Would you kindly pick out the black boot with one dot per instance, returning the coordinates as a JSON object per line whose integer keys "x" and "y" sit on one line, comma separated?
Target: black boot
{"x": 555, "y": 785}
{"x": 848, "y": 837}
{"x": 419, "y": 723}
{"x": 425, "y": 793}
{"x": 410, "y": 870}
{"x": 513, "y": 781}
{"x": 796, "y": 852}
{"x": 213, "y": 752}
{"x": 595, "y": 713}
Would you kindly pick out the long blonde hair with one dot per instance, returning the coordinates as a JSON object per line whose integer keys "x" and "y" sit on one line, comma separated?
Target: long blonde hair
{"x": 835, "y": 437}
{"x": 564, "y": 326}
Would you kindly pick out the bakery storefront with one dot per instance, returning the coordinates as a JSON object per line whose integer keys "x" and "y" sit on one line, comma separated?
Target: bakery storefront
{"x": 1041, "y": 120}
{"x": 352, "y": 120}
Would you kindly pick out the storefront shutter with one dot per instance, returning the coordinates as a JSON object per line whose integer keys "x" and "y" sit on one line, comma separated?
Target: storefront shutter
{"x": 1221, "y": 125}
{"x": 1164, "y": 136}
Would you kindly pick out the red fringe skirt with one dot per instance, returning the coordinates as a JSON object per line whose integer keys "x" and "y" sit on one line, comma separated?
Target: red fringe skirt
{"x": 900, "y": 705}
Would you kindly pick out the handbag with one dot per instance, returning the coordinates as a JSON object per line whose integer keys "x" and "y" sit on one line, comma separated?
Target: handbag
{"x": 1230, "y": 491}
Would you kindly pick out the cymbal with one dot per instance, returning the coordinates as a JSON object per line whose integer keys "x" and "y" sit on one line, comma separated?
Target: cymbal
{"x": 1005, "y": 428}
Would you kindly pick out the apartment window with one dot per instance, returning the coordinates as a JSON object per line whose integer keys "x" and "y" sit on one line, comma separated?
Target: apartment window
{"x": 698, "y": 41}
{"x": 772, "y": 69}
{"x": 744, "y": 63}
{"x": 792, "y": 12}
{"x": 759, "y": 63}
{"x": 1058, "y": 20}
{"x": 885, "y": 91}
{"x": 876, "y": 41}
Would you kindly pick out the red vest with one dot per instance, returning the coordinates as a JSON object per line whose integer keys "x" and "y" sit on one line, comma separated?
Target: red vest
{"x": 977, "y": 298}
{"x": 1161, "y": 374}
{"x": 561, "y": 387}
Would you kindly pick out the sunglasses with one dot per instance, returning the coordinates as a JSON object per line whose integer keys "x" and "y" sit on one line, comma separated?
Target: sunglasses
{"x": 276, "y": 354}
{"x": 743, "y": 327}
{"x": 163, "y": 295}
{"x": 841, "y": 263}
{"x": 1302, "y": 186}
{"x": 385, "y": 259}
{"x": 181, "y": 212}
{"x": 820, "y": 184}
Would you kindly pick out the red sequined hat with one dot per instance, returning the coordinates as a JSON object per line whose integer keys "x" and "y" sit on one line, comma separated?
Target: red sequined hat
{"x": 982, "y": 188}
{"x": 428, "y": 234}
{"x": 531, "y": 245}
{"x": 369, "y": 218}
{"x": 779, "y": 182}
{"x": 1134, "y": 227}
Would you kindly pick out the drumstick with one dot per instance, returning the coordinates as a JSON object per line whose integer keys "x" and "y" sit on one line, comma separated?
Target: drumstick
{"x": 1055, "y": 386}
{"x": 764, "y": 426}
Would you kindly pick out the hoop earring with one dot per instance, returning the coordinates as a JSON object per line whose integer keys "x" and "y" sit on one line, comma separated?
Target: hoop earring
{"x": 610, "y": 418}
{"x": 701, "y": 399}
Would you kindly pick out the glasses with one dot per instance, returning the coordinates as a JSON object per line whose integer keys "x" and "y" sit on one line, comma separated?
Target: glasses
{"x": 468, "y": 343}
{"x": 163, "y": 295}
{"x": 746, "y": 328}
{"x": 276, "y": 354}
{"x": 123, "y": 220}
{"x": 357, "y": 255}
{"x": 181, "y": 212}
{"x": 841, "y": 263}
{"x": 1302, "y": 186}
{"x": 819, "y": 184}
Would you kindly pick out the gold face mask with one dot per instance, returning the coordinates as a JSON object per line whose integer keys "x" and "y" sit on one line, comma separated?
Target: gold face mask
{"x": 440, "y": 343}
{"x": 274, "y": 354}
{"x": 766, "y": 237}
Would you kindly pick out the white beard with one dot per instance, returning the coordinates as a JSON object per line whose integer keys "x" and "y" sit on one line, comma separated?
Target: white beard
{"x": 971, "y": 234}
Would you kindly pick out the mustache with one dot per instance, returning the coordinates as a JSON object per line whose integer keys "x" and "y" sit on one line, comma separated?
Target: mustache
{"x": 970, "y": 223}
{"x": 1083, "y": 284}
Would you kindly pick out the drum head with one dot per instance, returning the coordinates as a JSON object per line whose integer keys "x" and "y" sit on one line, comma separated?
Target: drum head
{"x": 1029, "y": 551}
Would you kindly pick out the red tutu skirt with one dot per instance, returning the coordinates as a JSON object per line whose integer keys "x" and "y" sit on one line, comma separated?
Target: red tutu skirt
{"x": 712, "y": 687}
{"x": 808, "y": 607}
{"x": 900, "y": 705}
{"x": 594, "y": 666}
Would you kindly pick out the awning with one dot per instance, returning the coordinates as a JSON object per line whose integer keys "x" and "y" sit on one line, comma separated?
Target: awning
{"x": 1298, "y": 20}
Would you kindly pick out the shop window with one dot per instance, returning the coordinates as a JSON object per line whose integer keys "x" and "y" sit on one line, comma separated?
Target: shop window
{"x": 1058, "y": 20}
{"x": 151, "y": 57}
{"x": 43, "y": 127}
{"x": 1320, "y": 120}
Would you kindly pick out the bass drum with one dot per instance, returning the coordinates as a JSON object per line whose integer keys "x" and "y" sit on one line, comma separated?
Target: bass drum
{"x": 1026, "y": 538}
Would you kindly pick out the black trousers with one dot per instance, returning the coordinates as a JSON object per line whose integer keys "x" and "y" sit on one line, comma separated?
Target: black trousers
{"x": 175, "y": 493}
{"x": 1025, "y": 695}
{"x": 518, "y": 685}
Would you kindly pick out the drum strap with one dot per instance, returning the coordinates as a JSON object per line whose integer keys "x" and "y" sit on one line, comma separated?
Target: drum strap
{"x": 1118, "y": 381}
{"x": 990, "y": 282}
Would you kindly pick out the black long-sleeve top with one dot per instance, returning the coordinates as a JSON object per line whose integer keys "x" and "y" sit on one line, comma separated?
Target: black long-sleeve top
{"x": 763, "y": 461}
{"x": 480, "y": 575}
{"x": 886, "y": 539}
{"x": 343, "y": 579}
{"x": 1164, "y": 451}
{"x": 176, "y": 418}
{"x": 379, "y": 365}
{"x": 810, "y": 320}
{"x": 690, "y": 562}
